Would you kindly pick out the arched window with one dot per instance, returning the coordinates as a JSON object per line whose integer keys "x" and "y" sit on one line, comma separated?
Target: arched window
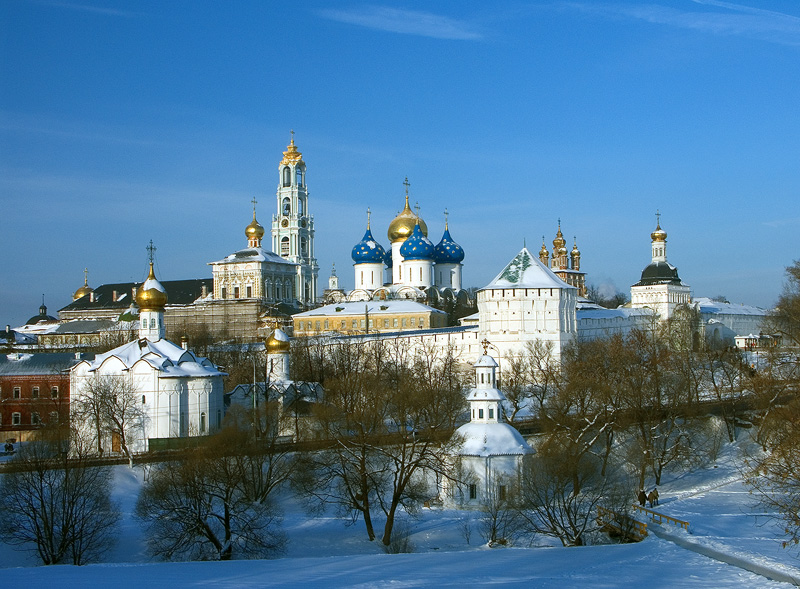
{"x": 300, "y": 206}
{"x": 304, "y": 246}
{"x": 287, "y": 176}
{"x": 202, "y": 423}
{"x": 144, "y": 399}
{"x": 299, "y": 177}
{"x": 152, "y": 323}
{"x": 286, "y": 207}
{"x": 284, "y": 246}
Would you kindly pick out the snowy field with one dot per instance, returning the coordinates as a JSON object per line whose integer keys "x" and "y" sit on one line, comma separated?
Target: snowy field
{"x": 727, "y": 539}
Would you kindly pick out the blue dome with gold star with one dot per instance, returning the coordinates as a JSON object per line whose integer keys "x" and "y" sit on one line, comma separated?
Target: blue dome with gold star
{"x": 448, "y": 251}
{"x": 417, "y": 247}
{"x": 368, "y": 251}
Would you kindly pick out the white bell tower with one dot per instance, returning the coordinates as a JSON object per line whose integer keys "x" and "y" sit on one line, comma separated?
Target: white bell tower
{"x": 293, "y": 226}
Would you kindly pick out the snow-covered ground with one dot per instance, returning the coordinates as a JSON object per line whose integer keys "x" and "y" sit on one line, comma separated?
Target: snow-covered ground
{"x": 727, "y": 539}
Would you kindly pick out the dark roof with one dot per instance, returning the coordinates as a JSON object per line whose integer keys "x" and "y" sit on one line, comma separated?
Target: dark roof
{"x": 85, "y": 326}
{"x": 659, "y": 273}
{"x": 27, "y": 364}
{"x": 179, "y": 292}
{"x": 42, "y": 316}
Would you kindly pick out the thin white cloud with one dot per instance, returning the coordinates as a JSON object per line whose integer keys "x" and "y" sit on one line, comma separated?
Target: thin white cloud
{"x": 716, "y": 16}
{"x": 88, "y": 8}
{"x": 406, "y": 22}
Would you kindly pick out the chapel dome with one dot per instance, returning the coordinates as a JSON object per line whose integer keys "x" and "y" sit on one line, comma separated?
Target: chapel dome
{"x": 448, "y": 251}
{"x": 659, "y": 234}
{"x": 277, "y": 342}
{"x": 84, "y": 290}
{"x": 151, "y": 296}
{"x": 559, "y": 243}
{"x": 42, "y": 316}
{"x": 659, "y": 273}
{"x": 417, "y": 247}
{"x": 254, "y": 230}
{"x": 402, "y": 226}
{"x": 368, "y": 250}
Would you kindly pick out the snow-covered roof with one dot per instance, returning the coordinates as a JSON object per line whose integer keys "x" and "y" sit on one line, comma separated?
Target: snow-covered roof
{"x": 485, "y": 361}
{"x": 598, "y": 312}
{"x": 36, "y": 364}
{"x": 491, "y": 439}
{"x": 253, "y": 254}
{"x": 372, "y": 307}
{"x": 486, "y": 394}
{"x": 163, "y": 355}
{"x": 707, "y": 305}
{"x": 526, "y": 271}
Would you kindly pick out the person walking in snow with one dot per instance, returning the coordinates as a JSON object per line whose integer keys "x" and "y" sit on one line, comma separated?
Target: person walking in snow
{"x": 651, "y": 498}
{"x": 655, "y": 496}
{"x": 642, "y": 497}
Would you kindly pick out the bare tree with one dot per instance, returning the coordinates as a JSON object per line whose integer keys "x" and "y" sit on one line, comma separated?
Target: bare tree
{"x": 214, "y": 503}
{"x": 775, "y": 475}
{"x": 387, "y": 413}
{"x": 54, "y": 504}
{"x": 515, "y": 382}
{"x": 550, "y": 502}
{"x": 500, "y": 522}
{"x": 113, "y": 406}
{"x": 725, "y": 377}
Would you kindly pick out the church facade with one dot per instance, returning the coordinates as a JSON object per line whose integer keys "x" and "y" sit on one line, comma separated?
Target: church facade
{"x": 166, "y": 390}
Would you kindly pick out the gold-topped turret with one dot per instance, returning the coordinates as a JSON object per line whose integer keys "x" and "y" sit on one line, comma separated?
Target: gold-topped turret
{"x": 544, "y": 255}
{"x": 559, "y": 243}
{"x": 659, "y": 234}
{"x": 277, "y": 342}
{"x": 291, "y": 155}
{"x": 151, "y": 295}
{"x": 85, "y": 289}
{"x": 254, "y": 231}
{"x": 403, "y": 224}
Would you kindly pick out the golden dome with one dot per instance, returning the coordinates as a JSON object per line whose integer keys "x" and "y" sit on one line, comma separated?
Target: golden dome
{"x": 543, "y": 253}
{"x": 254, "y": 230}
{"x": 85, "y": 289}
{"x": 575, "y": 250}
{"x": 403, "y": 224}
{"x": 291, "y": 155}
{"x": 559, "y": 242}
{"x": 151, "y": 295}
{"x": 277, "y": 342}
{"x": 659, "y": 234}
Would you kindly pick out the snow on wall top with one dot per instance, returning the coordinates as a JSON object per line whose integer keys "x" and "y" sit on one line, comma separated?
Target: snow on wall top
{"x": 526, "y": 271}
{"x": 372, "y": 307}
{"x": 706, "y": 305}
{"x": 491, "y": 439}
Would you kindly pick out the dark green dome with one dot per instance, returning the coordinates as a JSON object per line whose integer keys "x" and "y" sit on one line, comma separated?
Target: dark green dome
{"x": 659, "y": 273}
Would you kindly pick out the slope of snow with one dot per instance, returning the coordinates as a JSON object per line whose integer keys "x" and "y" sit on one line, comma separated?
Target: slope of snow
{"x": 726, "y": 536}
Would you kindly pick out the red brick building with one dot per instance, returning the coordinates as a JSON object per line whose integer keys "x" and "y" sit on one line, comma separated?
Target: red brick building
{"x": 34, "y": 392}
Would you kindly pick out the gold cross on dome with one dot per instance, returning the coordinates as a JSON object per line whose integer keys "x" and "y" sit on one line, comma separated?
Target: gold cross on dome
{"x": 485, "y": 343}
{"x": 368, "y": 216}
{"x": 151, "y": 251}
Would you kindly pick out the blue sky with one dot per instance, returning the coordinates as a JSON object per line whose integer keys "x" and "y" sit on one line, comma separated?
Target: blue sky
{"x": 122, "y": 122}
